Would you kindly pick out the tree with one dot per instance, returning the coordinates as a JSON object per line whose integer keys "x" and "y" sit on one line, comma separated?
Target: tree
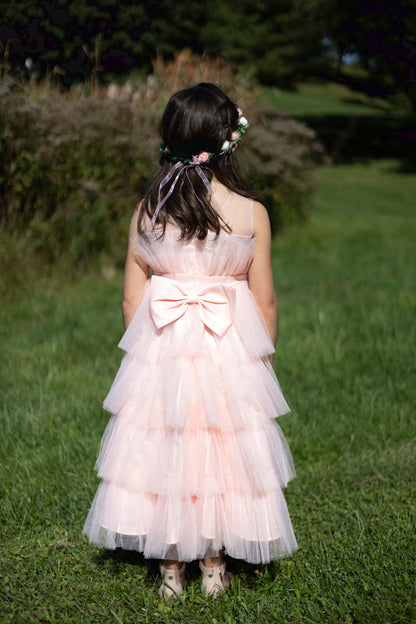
{"x": 386, "y": 42}
{"x": 57, "y": 32}
{"x": 381, "y": 32}
{"x": 265, "y": 37}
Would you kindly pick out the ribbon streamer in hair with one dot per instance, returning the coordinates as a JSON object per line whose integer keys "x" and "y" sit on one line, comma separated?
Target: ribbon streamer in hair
{"x": 183, "y": 168}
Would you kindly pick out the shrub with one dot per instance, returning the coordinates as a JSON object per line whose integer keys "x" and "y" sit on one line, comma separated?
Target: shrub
{"x": 281, "y": 155}
{"x": 185, "y": 70}
{"x": 73, "y": 167}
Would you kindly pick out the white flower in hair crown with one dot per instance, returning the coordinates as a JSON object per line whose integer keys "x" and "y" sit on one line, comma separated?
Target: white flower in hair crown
{"x": 204, "y": 157}
{"x": 242, "y": 126}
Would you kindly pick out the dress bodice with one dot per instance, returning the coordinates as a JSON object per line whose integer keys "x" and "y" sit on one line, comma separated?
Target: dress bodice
{"x": 227, "y": 254}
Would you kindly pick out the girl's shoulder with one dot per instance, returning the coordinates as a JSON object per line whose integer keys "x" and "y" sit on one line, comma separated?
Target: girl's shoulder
{"x": 243, "y": 214}
{"x": 236, "y": 211}
{"x": 260, "y": 213}
{"x": 261, "y": 222}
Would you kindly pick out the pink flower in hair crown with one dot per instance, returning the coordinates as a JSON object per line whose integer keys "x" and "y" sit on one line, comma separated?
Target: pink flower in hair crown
{"x": 200, "y": 159}
{"x": 203, "y": 157}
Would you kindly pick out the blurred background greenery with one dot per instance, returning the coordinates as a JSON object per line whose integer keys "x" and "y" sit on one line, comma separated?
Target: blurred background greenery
{"x": 83, "y": 85}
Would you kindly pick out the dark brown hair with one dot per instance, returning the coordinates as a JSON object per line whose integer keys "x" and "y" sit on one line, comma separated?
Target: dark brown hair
{"x": 198, "y": 119}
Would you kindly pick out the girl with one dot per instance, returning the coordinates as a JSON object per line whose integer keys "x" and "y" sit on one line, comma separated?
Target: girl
{"x": 192, "y": 462}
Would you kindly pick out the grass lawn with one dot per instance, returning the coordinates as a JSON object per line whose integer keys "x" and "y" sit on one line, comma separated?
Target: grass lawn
{"x": 346, "y": 288}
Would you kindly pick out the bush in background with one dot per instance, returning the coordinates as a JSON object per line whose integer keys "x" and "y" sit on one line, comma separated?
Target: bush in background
{"x": 281, "y": 155}
{"x": 72, "y": 168}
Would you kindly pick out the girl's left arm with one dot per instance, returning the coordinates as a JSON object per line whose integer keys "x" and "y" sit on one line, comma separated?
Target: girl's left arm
{"x": 136, "y": 274}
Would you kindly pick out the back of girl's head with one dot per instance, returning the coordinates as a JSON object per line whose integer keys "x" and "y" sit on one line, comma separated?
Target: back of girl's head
{"x": 198, "y": 119}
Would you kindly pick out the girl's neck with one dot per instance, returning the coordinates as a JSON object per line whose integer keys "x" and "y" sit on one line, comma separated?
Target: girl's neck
{"x": 219, "y": 190}
{"x": 220, "y": 196}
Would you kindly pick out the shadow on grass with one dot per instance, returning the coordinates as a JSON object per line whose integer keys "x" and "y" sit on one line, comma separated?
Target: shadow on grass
{"x": 358, "y": 101}
{"x": 359, "y": 137}
{"x": 364, "y": 84}
{"x": 352, "y": 138}
{"x": 119, "y": 558}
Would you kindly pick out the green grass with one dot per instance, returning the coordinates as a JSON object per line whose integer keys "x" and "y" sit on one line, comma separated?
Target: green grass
{"x": 346, "y": 289}
{"x": 326, "y": 98}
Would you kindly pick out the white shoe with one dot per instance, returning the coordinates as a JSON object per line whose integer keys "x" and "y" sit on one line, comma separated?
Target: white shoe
{"x": 214, "y": 580}
{"x": 171, "y": 583}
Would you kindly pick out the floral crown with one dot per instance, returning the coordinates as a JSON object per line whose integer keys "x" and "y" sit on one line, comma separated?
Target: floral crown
{"x": 205, "y": 157}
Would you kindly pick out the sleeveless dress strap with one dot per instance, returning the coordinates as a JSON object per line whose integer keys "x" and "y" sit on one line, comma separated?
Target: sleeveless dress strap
{"x": 220, "y": 207}
{"x": 251, "y": 218}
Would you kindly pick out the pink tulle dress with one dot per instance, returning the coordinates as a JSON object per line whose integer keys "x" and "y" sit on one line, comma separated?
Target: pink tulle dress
{"x": 192, "y": 460}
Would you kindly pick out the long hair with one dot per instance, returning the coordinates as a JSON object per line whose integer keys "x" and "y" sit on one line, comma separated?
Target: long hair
{"x": 198, "y": 119}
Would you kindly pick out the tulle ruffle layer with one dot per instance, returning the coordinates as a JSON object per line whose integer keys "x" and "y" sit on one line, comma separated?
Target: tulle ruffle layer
{"x": 184, "y": 375}
{"x": 192, "y": 459}
{"x": 253, "y": 527}
{"x": 192, "y": 463}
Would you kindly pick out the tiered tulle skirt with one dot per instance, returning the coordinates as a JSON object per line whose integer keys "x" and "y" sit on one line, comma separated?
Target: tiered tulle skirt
{"x": 192, "y": 459}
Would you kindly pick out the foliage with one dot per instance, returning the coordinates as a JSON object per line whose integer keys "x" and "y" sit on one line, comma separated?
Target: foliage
{"x": 187, "y": 69}
{"x": 381, "y": 34}
{"x": 184, "y": 70}
{"x": 263, "y": 38}
{"x": 73, "y": 168}
{"x": 346, "y": 364}
{"x": 280, "y": 43}
{"x": 282, "y": 154}
{"x": 55, "y": 32}
{"x": 81, "y": 37}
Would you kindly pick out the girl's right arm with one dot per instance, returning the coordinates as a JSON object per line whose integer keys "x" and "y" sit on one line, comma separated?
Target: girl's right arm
{"x": 260, "y": 275}
{"x": 136, "y": 274}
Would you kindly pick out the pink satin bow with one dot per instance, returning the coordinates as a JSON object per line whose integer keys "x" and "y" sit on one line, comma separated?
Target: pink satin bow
{"x": 169, "y": 301}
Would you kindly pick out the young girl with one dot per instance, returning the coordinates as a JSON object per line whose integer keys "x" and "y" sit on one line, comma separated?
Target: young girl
{"x": 192, "y": 462}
